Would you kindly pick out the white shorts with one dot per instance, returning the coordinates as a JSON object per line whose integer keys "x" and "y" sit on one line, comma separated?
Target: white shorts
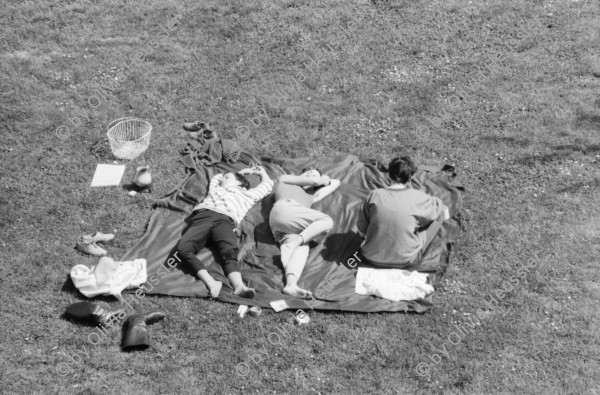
{"x": 290, "y": 217}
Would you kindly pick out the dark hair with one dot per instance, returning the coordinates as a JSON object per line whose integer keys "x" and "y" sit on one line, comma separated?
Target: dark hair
{"x": 309, "y": 168}
{"x": 312, "y": 190}
{"x": 402, "y": 169}
{"x": 243, "y": 181}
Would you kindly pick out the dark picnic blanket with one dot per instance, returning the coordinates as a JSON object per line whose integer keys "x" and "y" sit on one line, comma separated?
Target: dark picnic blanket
{"x": 327, "y": 273}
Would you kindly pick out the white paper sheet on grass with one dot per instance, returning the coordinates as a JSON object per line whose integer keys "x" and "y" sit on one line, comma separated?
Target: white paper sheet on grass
{"x": 108, "y": 175}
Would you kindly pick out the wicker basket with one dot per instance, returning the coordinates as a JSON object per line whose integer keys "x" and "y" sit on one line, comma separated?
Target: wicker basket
{"x": 129, "y": 137}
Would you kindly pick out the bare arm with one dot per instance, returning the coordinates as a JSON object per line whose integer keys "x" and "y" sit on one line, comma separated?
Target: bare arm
{"x": 262, "y": 189}
{"x": 302, "y": 181}
{"x": 326, "y": 190}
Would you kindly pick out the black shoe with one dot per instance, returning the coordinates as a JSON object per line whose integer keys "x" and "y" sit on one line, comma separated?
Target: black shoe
{"x": 88, "y": 311}
{"x": 136, "y": 334}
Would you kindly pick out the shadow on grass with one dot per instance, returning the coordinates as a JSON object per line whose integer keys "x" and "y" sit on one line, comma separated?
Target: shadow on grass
{"x": 593, "y": 185}
{"x": 588, "y": 119}
{"x": 331, "y": 250}
{"x": 509, "y": 141}
{"x": 562, "y": 151}
{"x": 69, "y": 288}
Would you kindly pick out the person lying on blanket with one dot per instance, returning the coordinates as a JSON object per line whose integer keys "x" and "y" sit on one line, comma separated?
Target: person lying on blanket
{"x": 397, "y": 223}
{"x": 294, "y": 224}
{"x": 214, "y": 220}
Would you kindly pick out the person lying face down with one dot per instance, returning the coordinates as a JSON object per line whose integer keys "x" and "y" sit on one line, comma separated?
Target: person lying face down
{"x": 214, "y": 219}
{"x": 294, "y": 224}
{"x": 392, "y": 221}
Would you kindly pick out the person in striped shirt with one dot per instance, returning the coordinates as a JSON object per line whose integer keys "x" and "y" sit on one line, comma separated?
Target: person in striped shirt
{"x": 214, "y": 220}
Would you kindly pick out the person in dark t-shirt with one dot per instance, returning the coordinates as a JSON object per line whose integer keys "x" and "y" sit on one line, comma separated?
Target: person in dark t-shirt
{"x": 393, "y": 219}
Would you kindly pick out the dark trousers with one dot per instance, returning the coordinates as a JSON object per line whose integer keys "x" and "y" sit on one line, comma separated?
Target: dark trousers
{"x": 206, "y": 226}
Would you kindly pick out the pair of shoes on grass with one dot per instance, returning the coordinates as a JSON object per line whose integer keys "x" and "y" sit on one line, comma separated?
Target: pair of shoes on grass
{"x": 199, "y": 130}
{"x": 88, "y": 244}
{"x": 135, "y": 336}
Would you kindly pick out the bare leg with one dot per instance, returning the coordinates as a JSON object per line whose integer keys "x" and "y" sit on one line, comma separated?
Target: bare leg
{"x": 213, "y": 285}
{"x": 239, "y": 288}
{"x": 317, "y": 228}
{"x": 293, "y": 270}
{"x": 312, "y": 231}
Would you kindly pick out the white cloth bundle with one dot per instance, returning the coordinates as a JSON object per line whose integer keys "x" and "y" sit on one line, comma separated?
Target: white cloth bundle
{"x": 392, "y": 284}
{"x": 109, "y": 277}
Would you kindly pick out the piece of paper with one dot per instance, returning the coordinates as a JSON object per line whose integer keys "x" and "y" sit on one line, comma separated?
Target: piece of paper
{"x": 108, "y": 175}
{"x": 242, "y": 310}
{"x": 279, "y": 305}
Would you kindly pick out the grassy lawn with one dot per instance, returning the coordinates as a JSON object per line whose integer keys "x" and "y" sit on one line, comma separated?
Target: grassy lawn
{"x": 508, "y": 92}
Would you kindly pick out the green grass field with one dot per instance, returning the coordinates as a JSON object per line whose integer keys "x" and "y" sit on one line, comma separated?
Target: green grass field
{"x": 508, "y": 92}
